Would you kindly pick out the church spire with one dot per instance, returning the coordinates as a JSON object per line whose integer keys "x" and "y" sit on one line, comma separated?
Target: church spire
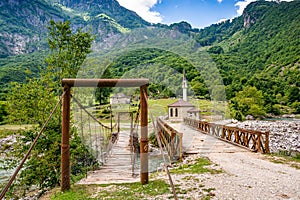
{"x": 184, "y": 86}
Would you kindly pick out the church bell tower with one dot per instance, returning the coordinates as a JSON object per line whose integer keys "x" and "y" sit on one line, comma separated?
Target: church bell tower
{"x": 184, "y": 87}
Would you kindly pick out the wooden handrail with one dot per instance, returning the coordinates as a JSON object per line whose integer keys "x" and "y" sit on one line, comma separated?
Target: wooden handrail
{"x": 254, "y": 140}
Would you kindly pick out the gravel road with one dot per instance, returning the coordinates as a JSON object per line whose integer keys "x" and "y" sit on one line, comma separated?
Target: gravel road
{"x": 250, "y": 176}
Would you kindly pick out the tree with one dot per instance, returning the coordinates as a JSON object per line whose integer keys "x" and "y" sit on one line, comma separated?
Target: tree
{"x": 32, "y": 102}
{"x": 249, "y": 101}
{"x": 3, "y": 112}
{"x": 69, "y": 50}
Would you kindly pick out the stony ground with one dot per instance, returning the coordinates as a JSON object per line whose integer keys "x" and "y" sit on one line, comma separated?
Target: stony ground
{"x": 245, "y": 175}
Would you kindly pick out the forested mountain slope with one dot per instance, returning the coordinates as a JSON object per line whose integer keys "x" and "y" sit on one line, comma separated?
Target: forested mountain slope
{"x": 24, "y": 23}
{"x": 259, "y": 49}
{"x": 265, "y": 53}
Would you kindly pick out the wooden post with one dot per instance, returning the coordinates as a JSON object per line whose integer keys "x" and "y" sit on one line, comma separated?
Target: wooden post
{"x": 144, "y": 135}
{"x": 267, "y": 143}
{"x": 65, "y": 146}
{"x": 111, "y": 126}
{"x": 180, "y": 146}
{"x": 118, "y": 122}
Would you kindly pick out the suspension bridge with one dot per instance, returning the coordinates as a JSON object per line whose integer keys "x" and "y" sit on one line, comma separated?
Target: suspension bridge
{"x": 120, "y": 152}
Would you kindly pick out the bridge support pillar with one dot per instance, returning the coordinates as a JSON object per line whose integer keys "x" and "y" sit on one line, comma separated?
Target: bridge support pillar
{"x": 65, "y": 146}
{"x": 144, "y": 135}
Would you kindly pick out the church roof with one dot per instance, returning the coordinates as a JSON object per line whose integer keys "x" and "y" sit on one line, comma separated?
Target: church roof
{"x": 120, "y": 95}
{"x": 181, "y": 103}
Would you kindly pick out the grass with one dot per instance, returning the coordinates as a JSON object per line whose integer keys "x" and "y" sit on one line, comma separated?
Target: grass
{"x": 285, "y": 158}
{"x": 12, "y": 129}
{"x": 76, "y": 193}
{"x": 194, "y": 168}
{"x": 159, "y": 107}
{"x": 114, "y": 191}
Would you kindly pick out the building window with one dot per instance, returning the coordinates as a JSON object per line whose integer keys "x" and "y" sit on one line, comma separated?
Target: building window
{"x": 176, "y": 112}
{"x": 171, "y": 112}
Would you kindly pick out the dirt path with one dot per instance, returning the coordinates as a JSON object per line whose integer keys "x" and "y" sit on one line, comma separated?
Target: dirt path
{"x": 246, "y": 175}
{"x": 249, "y": 176}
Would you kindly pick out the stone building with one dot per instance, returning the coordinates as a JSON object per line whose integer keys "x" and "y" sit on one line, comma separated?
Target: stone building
{"x": 179, "y": 110}
{"x": 182, "y": 108}
{"x": 120, "y": 98}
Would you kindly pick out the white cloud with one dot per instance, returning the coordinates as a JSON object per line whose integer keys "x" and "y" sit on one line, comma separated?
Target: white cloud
{"x": 243, "y": 4}
{"x": 221, "y": 21}
{"x": 220, "y": 1}
{"x": 143, "y": 9}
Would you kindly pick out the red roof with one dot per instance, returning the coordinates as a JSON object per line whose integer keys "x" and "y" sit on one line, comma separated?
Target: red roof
{"x": 181, "y": 103}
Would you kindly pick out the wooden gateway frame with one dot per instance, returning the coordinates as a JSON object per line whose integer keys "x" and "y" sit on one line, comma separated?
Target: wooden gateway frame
{"x": 65, "y": 146}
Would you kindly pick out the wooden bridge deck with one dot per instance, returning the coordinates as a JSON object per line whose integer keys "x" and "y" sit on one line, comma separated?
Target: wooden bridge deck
{"x": 195, "y": 142}
{"x": 118, "y": 168}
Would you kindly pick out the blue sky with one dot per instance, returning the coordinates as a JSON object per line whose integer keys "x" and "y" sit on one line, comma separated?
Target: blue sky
{"x": 199, "y": 13}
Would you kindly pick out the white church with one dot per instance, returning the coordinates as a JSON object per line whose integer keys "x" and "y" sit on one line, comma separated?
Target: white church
{"x": 182, "y": 108}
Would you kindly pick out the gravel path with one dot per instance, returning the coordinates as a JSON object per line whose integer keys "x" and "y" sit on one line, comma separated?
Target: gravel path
{"x": 246, "y": 175}
{"x": 250, "y": 176}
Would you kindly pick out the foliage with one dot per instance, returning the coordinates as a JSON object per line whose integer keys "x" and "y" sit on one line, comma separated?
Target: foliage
{"x": 249, "y": 101}
{"x": 32, "y": 102}
{"x": 259, "y": 48}
{"x": 102, "y": 94}
{"x": 264, "y": 54}
{"x": 3, "y": 112}
{"x": 153, "y": 61}
{"x": 216, "y": 50}
{"x": 68, "y": 50}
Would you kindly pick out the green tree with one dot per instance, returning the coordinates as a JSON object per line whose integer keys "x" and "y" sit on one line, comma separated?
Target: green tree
{"x": 249, "y": 101}
{"x": 69, "y": 50}
{"x": 3, "y": 112}
{"x": 32, "y": 102}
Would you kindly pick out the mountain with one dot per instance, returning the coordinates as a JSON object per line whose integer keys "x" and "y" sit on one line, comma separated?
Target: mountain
{"x": 23, "y": 30}
{"x": 24, "y": 23}
{"x": 261, "y": 48}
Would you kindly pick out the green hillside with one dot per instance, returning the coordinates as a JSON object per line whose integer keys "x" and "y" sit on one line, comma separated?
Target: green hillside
{"x": 265, "y": 53}
{"x": 259, "y": 49}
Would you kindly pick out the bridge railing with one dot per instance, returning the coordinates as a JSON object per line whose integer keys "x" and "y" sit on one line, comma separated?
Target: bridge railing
{"x": 171, "y": 139}
{"x": 256, "y": 141}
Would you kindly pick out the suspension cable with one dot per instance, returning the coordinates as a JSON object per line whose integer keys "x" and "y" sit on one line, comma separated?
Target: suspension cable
{"x": 83, "y": 142}
{"x": 160, "y": 146}
{"x": 30, "y": 149}
{"x": 94, "y": 118}
{"x": 133, "y": 148}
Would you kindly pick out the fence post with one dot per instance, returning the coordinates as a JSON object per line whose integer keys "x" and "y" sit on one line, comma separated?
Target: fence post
{"x": 65, "y": 146}
{"x": 267, "y": 149}
{"x": 180, "y": 146}
{"x": 144, "y": 135}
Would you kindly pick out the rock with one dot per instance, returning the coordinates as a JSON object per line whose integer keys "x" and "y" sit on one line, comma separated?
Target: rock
{"x": 249, "y": 117}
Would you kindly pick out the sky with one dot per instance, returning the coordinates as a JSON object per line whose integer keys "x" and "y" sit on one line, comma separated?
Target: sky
{"x": 199, "y": 13}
